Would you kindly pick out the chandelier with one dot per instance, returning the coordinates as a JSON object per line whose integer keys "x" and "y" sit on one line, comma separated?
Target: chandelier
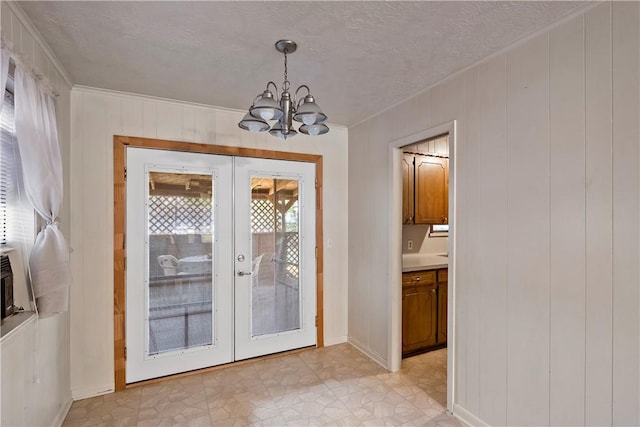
{"x": 284, "y": 108}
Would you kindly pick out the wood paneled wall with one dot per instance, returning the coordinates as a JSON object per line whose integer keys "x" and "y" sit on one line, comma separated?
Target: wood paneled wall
{"x": 98, "y": 115}
{"x": 547, "y": 232}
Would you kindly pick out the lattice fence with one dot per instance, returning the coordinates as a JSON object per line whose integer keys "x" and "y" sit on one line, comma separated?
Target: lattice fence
{"x": 292, "y": 248}
{"x": 175, "y": 214}
{"x": 262, "y": 216}
{"x": 292, "y": 254}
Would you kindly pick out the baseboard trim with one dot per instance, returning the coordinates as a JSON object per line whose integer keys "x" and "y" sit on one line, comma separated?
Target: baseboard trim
{"x": 467, "y": 417}
{"x": 85, "y": 393}
{"x": 372, "y": 355}
{"x": 62, "y": 413}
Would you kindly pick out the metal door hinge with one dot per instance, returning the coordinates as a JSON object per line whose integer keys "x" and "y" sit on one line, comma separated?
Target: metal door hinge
{"x": 316, "y": 252}
{"x": 125, "y": 174}
{"x": 125, "y": 263}
{"x": 125, "y": 353}
{"x": 316, "y": 321}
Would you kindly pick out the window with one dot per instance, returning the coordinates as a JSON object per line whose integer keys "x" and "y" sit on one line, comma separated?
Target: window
{"x": 17, "y": 220}
{"x": 7, "y": 160}
{"x": 439, "y": 230}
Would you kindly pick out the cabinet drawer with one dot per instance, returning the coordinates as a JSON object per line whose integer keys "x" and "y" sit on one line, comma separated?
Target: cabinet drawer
{"x": 443, "y": 275}
{"x": 419, "y": 277}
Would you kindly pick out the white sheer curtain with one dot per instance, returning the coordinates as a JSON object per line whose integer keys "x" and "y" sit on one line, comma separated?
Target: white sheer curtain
{"x": 37, "y": 136}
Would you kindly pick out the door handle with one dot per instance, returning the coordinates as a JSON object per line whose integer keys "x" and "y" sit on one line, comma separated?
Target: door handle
{"x": 244, "y": 273}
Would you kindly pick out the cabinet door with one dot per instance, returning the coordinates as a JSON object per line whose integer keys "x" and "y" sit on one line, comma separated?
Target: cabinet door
{"x": 442, "y": 312}
{"x": 407, "y": 188}
{"x": 446, "y": 191}
{"x": 419, "y": 317}
{"x": 431, "y": 195}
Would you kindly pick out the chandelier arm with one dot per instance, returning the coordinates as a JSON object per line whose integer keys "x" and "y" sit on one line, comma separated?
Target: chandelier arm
{"x": 275, "y": 87}
{"x": 305, "y": 87}
{"x": 296, "y": 101}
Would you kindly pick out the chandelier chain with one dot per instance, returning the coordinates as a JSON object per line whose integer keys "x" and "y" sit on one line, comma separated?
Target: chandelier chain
{"x": 285, "y": 84}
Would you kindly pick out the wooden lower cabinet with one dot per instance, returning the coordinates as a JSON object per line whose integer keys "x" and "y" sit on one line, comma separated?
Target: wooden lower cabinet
{"x": 424, "y": 310}
{"x": 443, "y": 300}
{"x": 419, "y": 308}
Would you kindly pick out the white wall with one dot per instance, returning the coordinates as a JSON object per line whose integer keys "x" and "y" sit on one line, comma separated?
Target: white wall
{"x": 36, "y": 360}
{"x": 96, "y": 117}
{"x": 422, "y": 242}
{"x": 547, "y": 232}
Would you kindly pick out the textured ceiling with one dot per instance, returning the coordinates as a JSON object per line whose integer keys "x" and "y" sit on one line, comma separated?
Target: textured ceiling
{"x": 357, "y": 57}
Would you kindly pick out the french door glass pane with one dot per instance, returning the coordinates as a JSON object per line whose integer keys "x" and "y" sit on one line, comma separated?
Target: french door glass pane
{"x": 275, "y": 290}
{"x": 180, "y": 236}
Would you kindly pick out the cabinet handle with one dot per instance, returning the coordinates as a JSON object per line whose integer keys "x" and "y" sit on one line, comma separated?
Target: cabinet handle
{"x": 418, "y": 279}
{"x": 433, "y": 290}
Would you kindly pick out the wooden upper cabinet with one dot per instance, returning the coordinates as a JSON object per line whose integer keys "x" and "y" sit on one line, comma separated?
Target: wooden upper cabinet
{"x": 407, "y": 188}
{"x": 431, "y": 190}
{"x": 425, "y": 182}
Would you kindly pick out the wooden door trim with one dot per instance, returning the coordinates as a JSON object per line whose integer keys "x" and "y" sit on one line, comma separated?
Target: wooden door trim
{"x": 120, "y": 143}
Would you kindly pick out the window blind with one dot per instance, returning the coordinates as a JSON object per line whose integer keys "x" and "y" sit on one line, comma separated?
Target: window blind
{"x": 7, "y": 137}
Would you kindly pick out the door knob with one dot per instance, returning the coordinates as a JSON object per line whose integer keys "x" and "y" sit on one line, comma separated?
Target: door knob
{"x": 244, "y": 273}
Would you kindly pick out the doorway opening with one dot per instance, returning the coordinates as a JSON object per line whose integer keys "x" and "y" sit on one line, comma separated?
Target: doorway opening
{"x": 425, "y": 209}
{"x": 423, "y": 253}
{"x": 254, "y": 220}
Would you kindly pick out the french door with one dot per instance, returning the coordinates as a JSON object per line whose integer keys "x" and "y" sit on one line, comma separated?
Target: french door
{"x": 275, "y": 206}
{"x": 220, "y": 259}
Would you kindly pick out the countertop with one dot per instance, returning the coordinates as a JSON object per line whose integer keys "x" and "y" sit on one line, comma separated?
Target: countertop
{"x": 419, "y": 262}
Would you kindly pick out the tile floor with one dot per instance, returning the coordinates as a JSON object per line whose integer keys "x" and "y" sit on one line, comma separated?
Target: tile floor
{"x": 334, "y": 386}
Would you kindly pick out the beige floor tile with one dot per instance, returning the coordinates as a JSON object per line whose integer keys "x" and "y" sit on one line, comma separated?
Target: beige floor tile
{"x": 331, "y": 386}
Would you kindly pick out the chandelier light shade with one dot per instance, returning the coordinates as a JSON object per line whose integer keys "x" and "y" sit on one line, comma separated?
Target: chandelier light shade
{"x": 283, "y": 108}
{"x": 309, "y": 112}
{"x": 276, "y": 130}
{"x": 314, "y": 129}
{"x": 253, "y": 124}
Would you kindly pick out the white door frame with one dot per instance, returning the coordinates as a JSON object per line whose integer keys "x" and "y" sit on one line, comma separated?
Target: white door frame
{"x": 395, "y": 251}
